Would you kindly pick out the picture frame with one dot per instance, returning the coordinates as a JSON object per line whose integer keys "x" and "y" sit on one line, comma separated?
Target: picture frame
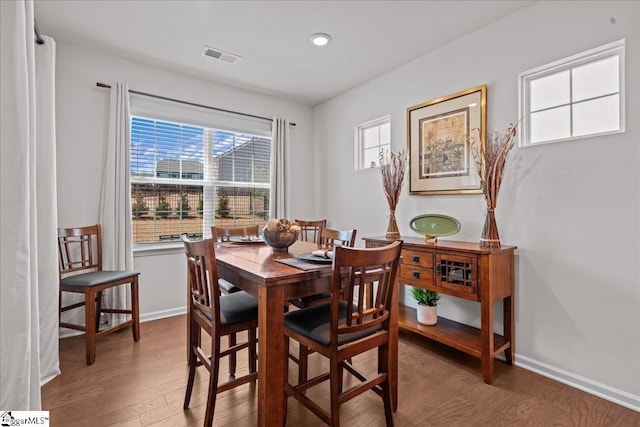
{"x": 440, "y": 150}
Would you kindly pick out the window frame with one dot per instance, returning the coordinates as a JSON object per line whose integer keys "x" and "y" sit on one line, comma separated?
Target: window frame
{"x": 614, "y": 49}
{"x": 209, "y": 183}
{"x": 359, "y": 140}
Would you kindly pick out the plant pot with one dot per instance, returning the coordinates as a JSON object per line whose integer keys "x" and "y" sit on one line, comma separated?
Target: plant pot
{"x": 427, "y": 314}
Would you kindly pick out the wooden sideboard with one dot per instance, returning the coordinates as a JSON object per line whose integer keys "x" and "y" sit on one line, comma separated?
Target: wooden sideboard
{"x": 463, "y": 270}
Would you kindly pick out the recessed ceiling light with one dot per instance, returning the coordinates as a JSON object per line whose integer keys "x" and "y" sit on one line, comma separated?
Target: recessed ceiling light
{"x": 320, "y": 39}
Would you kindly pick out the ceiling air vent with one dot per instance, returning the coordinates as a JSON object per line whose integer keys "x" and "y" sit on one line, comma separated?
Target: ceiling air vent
{"x": 220, "y": 55}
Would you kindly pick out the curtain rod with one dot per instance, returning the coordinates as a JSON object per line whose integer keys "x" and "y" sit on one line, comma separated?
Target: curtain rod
{"x": 193, "y": 104}
{"x": 39, "y": 38}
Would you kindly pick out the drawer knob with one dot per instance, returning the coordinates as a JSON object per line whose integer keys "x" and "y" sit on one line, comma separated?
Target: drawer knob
{"x": 415, "y": 274}
{"x": 415, "y": 258}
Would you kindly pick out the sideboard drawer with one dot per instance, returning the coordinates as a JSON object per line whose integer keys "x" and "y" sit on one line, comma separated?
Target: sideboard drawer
{"x": 417, "y": 258}
{"x": 415, "y": 273}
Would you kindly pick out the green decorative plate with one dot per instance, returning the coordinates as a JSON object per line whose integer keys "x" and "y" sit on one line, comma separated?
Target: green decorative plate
{"x": 434, "y": 225}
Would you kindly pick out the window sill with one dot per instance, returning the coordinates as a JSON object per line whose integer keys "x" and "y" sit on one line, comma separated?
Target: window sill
{"x": 151, "y": 249}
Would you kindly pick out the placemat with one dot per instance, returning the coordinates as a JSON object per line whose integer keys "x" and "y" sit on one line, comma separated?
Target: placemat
{"x": 302, "y": 265}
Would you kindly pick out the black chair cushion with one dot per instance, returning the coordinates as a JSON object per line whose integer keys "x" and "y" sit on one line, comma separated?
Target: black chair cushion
{"x": 315, "y": 323}
{"x": 228, "y": 287}
{"x": 95, "y": 278}
{"x": 309, "y": 299}
{"x": 236, "y": 308}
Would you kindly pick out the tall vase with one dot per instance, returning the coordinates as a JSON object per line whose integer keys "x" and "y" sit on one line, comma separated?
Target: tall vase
{"x": 490, "y": 237}
{"x": 392, "y": 228}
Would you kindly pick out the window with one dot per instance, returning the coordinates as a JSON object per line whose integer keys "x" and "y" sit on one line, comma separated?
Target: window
{"x": 186, "y": 178}
{"x": 573, "y": 98}
{"x": 371, "y": 137}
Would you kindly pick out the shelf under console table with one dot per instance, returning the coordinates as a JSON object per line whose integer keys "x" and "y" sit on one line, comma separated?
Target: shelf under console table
{"x": 463, "y": 270}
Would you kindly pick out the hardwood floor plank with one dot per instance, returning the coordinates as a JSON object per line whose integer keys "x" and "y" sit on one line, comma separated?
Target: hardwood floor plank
{"x": 143, "y": 384}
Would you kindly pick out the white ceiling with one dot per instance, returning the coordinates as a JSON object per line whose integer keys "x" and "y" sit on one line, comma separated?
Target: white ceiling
{"x": 272, "y": 37}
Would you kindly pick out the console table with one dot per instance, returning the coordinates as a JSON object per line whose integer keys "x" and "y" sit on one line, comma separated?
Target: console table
{"x": 463, "y": 270}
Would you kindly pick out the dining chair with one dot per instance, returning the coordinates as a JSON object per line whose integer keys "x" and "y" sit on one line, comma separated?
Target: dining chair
{"x": 310, "y": 230}
{"x": 328, "y": 240}
{"x": 345, "y": 327}
{"x": 217, "y": 316}
{"x": 80, "y": 271}
{"x": 224, "y": 234}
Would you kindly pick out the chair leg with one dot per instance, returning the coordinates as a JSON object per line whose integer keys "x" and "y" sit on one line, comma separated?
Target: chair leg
{"x": 253, "y": 355}
{"x": 213, "y": 381}
{"x": 383, "y": 359}
{"x": 386, "y": 397}
{"x": 303, "y": 363}
{"x": 286, "y": 375}
{"x": 59, "y": 306}
{"x": 335, "y": 387}
{"x": 98, "y": 309}
{"x": 135, "y": 310}
{"x": 90, "y": 325}
{"x": 193, "y": 363}
{"x": 232, "y": 357}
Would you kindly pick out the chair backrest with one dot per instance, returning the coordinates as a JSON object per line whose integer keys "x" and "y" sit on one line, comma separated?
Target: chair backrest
{"x": 202, "y": 271}
{"x": 223, "y": 234}
{"x": 310, "y": 230}
{"x": 80, "y": 248}
{"x": 330, "y": 238}
{"x": 353, "y": 270}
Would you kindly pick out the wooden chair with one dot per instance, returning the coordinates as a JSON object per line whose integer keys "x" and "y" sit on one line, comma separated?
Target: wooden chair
{"x": 80, "y": 271}
{"x": 310, "y": 230}
{"x": 345, "y": 328}
{"x": 217, "y": 316}
{"x": 329, "y": 239}
{"x": 224, "y": 234}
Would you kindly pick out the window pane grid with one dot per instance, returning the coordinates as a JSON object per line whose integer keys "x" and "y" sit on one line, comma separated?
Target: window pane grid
{"x": 186, "y": 178}
{"x": 372, "y": 137}
{"x": 593, "y": 83}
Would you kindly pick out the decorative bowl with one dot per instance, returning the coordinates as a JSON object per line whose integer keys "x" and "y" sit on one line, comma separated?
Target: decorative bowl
{"x": 433, "y": 226}
{"x": 280, "y": 240}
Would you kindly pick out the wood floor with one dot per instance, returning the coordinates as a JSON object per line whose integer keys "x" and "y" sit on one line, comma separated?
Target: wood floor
{"x": 142, "y": 384}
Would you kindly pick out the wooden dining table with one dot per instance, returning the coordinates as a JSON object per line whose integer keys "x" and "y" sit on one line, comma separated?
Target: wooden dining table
{"x": 253, "y": 268}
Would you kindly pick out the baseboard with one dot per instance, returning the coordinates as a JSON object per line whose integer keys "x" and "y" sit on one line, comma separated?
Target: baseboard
{"x": 623, "y": 398}
{"x": 148, "y": 317}
{"x": 162, "y": 314}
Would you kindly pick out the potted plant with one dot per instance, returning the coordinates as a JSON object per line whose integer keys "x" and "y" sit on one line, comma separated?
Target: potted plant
{"x": 427, "y": 305}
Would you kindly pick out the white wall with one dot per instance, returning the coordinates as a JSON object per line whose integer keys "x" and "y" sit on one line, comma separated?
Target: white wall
{"x": 571, "y": 208}
{"x": 82, "y": 118}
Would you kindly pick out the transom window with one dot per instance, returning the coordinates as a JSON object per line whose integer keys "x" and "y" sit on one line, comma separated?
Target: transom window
{"x": 573, "y": 98}
{"x": 186, "y": 178}
{"x": 371, "y": 138}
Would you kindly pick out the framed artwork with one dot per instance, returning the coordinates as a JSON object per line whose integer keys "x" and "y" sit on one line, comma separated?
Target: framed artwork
{"x": 440, "y": 154}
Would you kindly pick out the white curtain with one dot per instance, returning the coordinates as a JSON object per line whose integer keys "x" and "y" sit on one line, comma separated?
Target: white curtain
{"x": 279, "y": 203}
{"x": 115, "y": 206}
{"x": 28, "y": 261}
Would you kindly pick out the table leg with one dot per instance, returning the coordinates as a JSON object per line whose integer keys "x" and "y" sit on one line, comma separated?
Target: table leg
{"x": 272, "y": 362}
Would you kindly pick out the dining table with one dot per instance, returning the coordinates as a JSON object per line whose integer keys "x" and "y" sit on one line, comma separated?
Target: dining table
{"x": 259, "y": 270}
